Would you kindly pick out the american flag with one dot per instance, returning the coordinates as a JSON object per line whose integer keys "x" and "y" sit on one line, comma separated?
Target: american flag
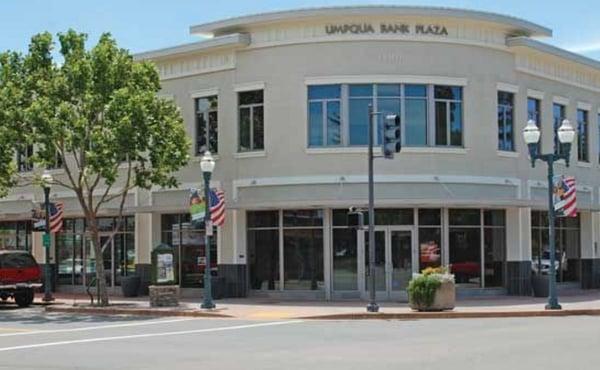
{"x": 565, "y": 196}
{"x": 217, "y": 207}
{"x": 56, "y": 217}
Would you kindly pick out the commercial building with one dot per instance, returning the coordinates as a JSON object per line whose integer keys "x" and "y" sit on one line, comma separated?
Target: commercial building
{"x": 282, "y": 99}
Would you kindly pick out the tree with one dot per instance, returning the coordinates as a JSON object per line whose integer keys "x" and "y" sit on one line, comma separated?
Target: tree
{"x": 98, "y": 113}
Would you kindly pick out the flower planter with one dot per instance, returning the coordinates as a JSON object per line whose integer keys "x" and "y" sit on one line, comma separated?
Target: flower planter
{"x": 444, "y": 299}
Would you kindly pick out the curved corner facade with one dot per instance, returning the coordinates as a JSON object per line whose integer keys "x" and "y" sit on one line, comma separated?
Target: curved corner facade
{"x": 282, "y": 98}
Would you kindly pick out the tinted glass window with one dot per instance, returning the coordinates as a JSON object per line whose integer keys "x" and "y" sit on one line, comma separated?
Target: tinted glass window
{"x": 304, "y": 217}
{"x": 251, "y": 97}
{"x": 324, "y": 92}
{"x": 263, "y": 219}
{"x": 361, "y": 90}
{"x": 448, "y": 92}
{"x": 464, "y": 217}
{"x": 388, "y": 90}
{"x": 430, "y": 217}
{"x": 415, "y": 90}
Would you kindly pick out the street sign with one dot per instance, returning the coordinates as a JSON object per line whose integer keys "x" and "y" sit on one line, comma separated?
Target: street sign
{"x": 46, "y": 240}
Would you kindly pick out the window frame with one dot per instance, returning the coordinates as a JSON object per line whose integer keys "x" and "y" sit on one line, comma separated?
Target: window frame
{"x": 583, "y": 153}
{"x": 345, "y": 99}
{"x": 251, "y": 107}
{"x": 503, "y": 122}
{"x": 206, "y": 116}
{"x": 536, "y": 116}
{"x": 324, "y": 102}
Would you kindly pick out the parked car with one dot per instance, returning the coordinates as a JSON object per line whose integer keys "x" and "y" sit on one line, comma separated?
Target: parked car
{"x": 19, "y": 277}
{"x": 544, "y": 263}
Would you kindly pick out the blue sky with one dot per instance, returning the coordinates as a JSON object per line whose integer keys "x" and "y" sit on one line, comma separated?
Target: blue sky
{"x": 142, "y": 25}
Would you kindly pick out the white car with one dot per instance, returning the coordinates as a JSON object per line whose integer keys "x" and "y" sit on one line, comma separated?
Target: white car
{"x": 544, "y": 263}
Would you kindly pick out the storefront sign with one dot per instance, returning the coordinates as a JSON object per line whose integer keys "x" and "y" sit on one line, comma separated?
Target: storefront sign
{"x": 386, "y": 28}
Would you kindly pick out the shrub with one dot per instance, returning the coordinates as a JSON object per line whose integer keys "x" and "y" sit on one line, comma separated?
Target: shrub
{"x": 422, "y": 287}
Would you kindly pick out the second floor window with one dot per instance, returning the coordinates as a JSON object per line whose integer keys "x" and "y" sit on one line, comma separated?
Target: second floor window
{"x": 558, "y": 112}
{"x": 338, "y": 115}
{"x": 207, "y": 131}
{"x": 506, "y": 114}
{"x": 582, "y": 136}
{"x": 534, "y": 114}
{"x": 24, "y": 156}
{"x": 251, "y": 121}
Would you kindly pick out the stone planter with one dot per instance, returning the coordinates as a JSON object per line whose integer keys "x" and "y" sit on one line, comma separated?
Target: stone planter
{"x": 164, "y": 295}
{"x": 445, "y": 299}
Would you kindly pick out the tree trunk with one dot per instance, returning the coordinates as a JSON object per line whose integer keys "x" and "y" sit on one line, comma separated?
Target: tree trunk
{"x": 100, "y": 275}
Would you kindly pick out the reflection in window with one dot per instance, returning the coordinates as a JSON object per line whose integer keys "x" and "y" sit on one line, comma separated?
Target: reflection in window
{"x": 416, "y": 115}
{"x": 251, "y": 120}
{"x": 534, "y": 114}
{"x": 207, "y": 125}
{"x": 582, "y": 136}
{"x": 324, "y": 111}
{"x": 558, "y": 112}
{"x": 506, "y": 121}
{"x": 338, "y": 115}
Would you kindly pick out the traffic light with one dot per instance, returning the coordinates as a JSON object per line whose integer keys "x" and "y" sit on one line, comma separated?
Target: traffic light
{"x": 391, "y": 136}
{"x": 355, "y": 218}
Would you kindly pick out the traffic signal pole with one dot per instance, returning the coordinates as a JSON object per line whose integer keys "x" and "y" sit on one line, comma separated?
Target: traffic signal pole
{"x": 372, "y": 306}
{"x": 391, "y": 144}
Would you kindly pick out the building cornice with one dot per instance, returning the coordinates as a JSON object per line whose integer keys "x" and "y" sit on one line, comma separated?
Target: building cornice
{"x": 536, "y": 45}
{"x": 229, "y": 41}
{"x": 519, "y": 26}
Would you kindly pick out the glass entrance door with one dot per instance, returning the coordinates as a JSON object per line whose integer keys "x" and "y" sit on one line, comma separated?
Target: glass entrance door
{"x": 394, "y": 255}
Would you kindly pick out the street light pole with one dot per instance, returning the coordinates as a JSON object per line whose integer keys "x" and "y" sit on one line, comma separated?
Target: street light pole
{"x": 46, "y": 183}
{"x": 566, "y": 134}
{"x": 207, "y": 164}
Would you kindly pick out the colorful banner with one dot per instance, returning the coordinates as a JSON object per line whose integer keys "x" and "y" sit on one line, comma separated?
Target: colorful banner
{"x": 564, "y": 196}
{"x": 197, "y": 206}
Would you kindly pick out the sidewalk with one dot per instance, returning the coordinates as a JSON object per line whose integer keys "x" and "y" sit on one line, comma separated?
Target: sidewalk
{"x": 582, "y": 303}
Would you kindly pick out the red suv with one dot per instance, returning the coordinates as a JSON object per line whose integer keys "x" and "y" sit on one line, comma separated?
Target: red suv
{"x": 19, "y": 277}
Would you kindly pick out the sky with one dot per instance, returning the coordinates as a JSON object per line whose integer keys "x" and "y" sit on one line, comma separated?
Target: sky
{"x": 143, "y": 25}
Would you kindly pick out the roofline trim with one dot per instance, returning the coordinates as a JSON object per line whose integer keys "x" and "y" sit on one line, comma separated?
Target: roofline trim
{"x": 228, "y": 41}
{"x": 212, "y": 28}
{"x": 526, "y": 42}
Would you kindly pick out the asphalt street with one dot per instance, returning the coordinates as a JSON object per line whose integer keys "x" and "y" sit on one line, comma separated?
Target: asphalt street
{"x": 32, "y": 339}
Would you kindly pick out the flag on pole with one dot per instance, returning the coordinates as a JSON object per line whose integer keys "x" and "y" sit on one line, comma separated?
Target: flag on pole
{"x": 565, "y": 196}
{"x": 217, "y": 207}
{"x": 56, "y": 217}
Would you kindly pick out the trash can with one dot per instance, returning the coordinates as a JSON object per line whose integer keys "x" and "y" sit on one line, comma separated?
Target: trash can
{"x": 130, "y": 285}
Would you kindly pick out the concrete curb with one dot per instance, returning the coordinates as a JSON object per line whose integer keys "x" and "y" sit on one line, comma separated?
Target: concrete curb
{"x": 109, "y": 311}
{"x": 454, "y": 315}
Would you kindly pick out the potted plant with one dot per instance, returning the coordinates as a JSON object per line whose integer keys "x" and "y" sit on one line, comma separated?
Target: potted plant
{"x": 432, "y": 290}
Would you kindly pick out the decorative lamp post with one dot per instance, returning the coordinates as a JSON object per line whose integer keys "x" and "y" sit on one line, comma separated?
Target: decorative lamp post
{"x": 46, "y": 185}
{"x": 566, "y": 134}
{"x": 207, "y": 164}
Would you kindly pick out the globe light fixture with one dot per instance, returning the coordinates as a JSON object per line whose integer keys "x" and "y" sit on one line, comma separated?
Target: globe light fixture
{"x": 531, "y": 133}
{"x": 566, "y": 132}
{"x": 207, "y": 163}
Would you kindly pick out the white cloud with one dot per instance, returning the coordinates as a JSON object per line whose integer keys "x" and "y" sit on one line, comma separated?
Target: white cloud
{"x": 585, "y": 48}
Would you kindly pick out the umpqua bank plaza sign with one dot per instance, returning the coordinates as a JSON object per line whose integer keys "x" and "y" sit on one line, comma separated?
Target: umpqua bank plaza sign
{"x": 386, "y": 28}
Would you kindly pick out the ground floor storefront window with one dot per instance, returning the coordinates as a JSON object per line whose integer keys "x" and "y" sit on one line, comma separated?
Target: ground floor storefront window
{"x": 15, "y": 235}
{"x": 476, "y": 246}
{"x": 189, "y": 243}
{"x": 300, "y": 247}
{"x": 76, "y": 258}
{"x": 568, "y": 247}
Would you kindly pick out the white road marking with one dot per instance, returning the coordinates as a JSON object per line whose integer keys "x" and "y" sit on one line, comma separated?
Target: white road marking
{"x": 149, "y": 335}
{"x": 154, "y": 322}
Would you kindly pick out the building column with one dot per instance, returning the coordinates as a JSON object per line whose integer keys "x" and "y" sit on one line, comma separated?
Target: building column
{"x": 518, "y": 251}
{"x": 590, "y": 261}
{"x": 231, "y": 254}
{"x": 147, "y": 236}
